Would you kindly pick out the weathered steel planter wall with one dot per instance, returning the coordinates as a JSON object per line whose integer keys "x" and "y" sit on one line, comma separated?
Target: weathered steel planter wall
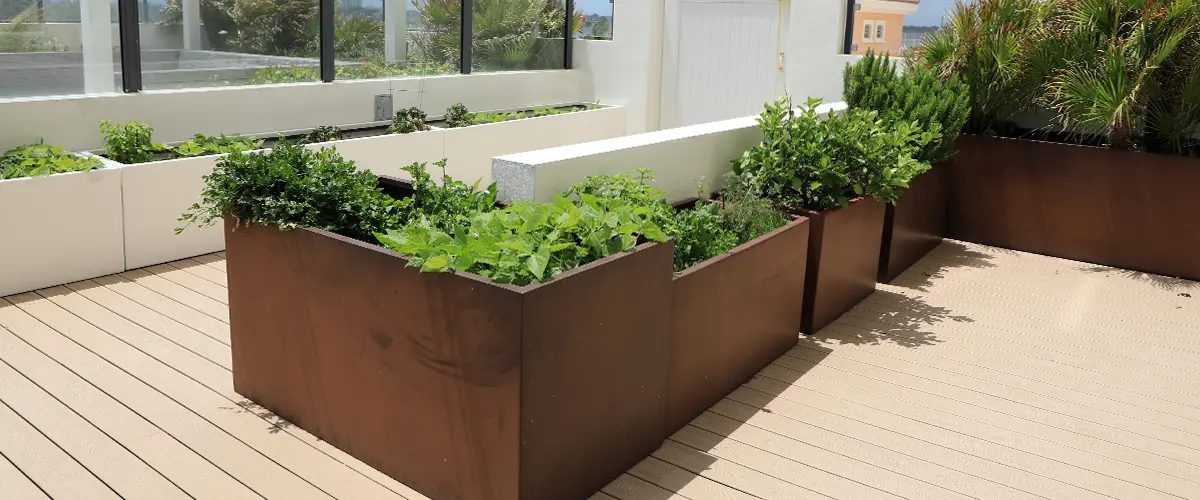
{"x": 1123, "y": 209}
{"x": 455, "y": 386}
{"x": 915, "y": 224}
{"x": 843, "y": 260}
{"x": 731, "y": 316}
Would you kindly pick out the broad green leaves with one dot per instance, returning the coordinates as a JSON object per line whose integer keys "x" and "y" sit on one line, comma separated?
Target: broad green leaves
{"x": 32, "y": 160}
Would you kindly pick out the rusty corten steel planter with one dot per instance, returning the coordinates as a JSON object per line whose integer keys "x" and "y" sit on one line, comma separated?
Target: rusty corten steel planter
{"x": 731, "y": 316}
{"x": 456, "y": 386}
{"x": 843, "y": 260}
{"x": 915, "y": 224}
{"x": 1123, "y": 209}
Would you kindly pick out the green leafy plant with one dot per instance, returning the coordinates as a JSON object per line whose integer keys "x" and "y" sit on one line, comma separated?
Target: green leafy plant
{"x": 408, "y": 121}
{"x": 15, "y": 35}
{"x": 700, "y": 234}
{"x": 746, "y": 214}
{"x": 32, "y": 160}
{"x": 635, "y": 186}
{"x": 130, "y": 143}
{"x": 203, "y": 145}
{"x": 917, "y": 95}
{"x": 445, "y": 206}
{"x": 814, "y": 163}
{"x": 458, "y": 116}
{"x": 367, "y": 70}
{"x": 292, "y": 186}
{"x": 508, "y": 34}
{"x": 528, "y": 242}
{"x": 323, "y": 133}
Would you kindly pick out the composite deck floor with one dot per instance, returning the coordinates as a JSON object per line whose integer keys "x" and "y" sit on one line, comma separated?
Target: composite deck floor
{"x": 979, "y": 374}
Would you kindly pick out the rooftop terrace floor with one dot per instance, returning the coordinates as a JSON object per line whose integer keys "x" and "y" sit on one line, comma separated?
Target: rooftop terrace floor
{"x": 980, "y": 373}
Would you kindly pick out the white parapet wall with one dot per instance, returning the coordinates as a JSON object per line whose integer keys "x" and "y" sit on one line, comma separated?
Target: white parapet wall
{"x": 59, "y": 229}
{"x": 681, "y": 158}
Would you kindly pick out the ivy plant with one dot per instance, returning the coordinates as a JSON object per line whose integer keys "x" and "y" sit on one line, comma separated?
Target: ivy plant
{"x": 458, "y": 116}
{"x": 292, "y": 186}
{"x": 450, "y": 204}
{"x": 130, "y": 143}
{"x": 32, "y": 160}
{"x": 203, "y": 145}
{"x": 408, "y": 121}
{"x": 528, "y": 242}
{"x": 323, "y": 133}
{"x": 807, "y": 161}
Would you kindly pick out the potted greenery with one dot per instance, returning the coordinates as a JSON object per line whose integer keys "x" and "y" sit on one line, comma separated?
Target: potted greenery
{"x": 1122, "y": 83}
{"x": 916, "y": 222}
{"x": 473, "y": 139}
{"x": 53, "y": 200}
{"x": 486, "y": 337}
{"x": 839, "y": 172}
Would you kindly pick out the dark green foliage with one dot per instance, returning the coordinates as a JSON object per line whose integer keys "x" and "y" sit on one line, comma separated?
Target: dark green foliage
{"x": 814, "y": 163}
{"x": 700, "y": 234}
{"x": 32, "y": 160}
{"x": 915, "y": 96}
{"x": 458, "y": 116}
{"x": 445, "y": 206}
{"x": 203, "y": 145}
{"x": 408, "y": 121}
{"x": 129, "y": 143}
{"x": 528, "y": 242}
{"x": 292, "y": 186}
{"x": 324, "y": 133}
{"x": 748, "y": 216}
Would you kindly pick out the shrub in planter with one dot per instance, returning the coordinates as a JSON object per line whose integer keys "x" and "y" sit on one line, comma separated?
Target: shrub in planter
{"x": 323, "y": 133}
{"x": 826, "y": 169}
{"x": 408, "y": 121}
{"x": 131, "y": 143}
{"x": 458, "y": 116}
{"x": 915, "y": 224}
{"x": 33, "y": 160}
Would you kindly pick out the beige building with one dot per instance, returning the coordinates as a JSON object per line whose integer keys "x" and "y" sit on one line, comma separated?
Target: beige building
{"x": 879, "y": 25}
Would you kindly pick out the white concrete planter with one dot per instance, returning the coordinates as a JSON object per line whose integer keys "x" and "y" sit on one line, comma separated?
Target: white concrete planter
{"x": 60, "y": 229}
{"x": 469, "y": 150}
{"x": 387, "y": 154}
{"x": 156, "y": 194}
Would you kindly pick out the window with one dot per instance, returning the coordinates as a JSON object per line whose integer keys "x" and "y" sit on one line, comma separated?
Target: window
{"x": 50, "y": 47}
{"x": 597, "y": 16}
{"x": 868, "y": 20}
{"x": 515, "y": 35}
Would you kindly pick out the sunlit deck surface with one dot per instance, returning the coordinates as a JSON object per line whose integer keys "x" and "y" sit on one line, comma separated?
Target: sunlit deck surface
{"x": 980, "y": 373}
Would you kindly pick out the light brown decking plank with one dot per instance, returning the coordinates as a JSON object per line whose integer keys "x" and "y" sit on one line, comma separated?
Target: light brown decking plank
{"x": 160, "y": 450}
{"x": 113, "y": 375}
{"x": 168, "y": 368}
{"x": 199, "y": 269}
{"x": 45, "y": 464}
{"x": 105, "y": 458}
{"x": 905, "y": 461}
{"x": 188, "y": 338}
{"x": 221, "y": 383}
{"x": 179, "y": 293}
{"x": 191, "y": 282}
{"x": 600, "y": 496}
{"x": 212, "y": 261}
{"x": 166, "y": 306}
{"x": 14, "y": 484}
{"x": 668, "y": 477}
{"x": 1130, "y": 464}
{"x": 628, "y": 487}
{"x": 857, "y": 472}
{"x": 733, "y": 474}
{"x": 1072, "y": 415}
{"x": 1020, "y": 451}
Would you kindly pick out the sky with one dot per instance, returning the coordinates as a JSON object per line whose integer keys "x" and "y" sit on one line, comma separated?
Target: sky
{"x": 930, "y": 13}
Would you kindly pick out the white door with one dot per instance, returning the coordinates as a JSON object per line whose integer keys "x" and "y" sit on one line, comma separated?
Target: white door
{"x": 721, "y": 59}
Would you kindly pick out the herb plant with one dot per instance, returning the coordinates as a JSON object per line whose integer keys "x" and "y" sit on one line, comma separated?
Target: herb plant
{"x": 408, "y": 121}
{"x": 32, "y": 160}
{"x": 323, "y": 133}
{"x": 458, "y": 116}
{"x": 528, "y": 242}
{"x": 746, "y": 214}
{"x": 806, "y": 162}
{"x": 445, "y": 206}
{"x": 292, "y": 186}
{"x": 203, "y": 145}
{"x": 917, "y": 95}
{"x": 700, "y": 234}
{"x": 129, "y": 143}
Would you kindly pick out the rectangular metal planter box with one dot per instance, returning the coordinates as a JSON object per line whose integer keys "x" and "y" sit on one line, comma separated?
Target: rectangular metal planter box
{"x": 60, "y": 228}
{"x": 456, "y": 386}
{"x": 843, "y": 260}
{"x": 1123, "y": 209}
{"x": 731, "y": 316}
{"x": 915, "y": 224}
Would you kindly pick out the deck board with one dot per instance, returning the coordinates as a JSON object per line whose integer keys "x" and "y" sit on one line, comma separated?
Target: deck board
{"x": 980, "y": 373}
